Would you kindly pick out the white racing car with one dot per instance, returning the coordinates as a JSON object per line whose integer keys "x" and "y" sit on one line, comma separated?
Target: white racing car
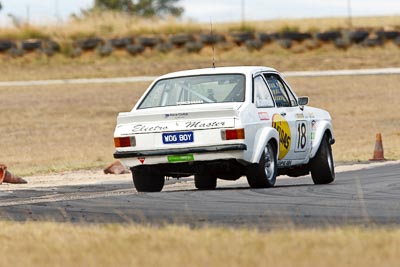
{"x": 223, "y": 123}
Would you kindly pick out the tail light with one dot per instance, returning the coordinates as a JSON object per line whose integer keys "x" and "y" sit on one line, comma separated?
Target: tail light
{"x": 124, "y": 141}
{"x": 232, "y": 134}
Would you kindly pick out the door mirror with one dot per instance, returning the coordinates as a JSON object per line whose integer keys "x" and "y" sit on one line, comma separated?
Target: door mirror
{"x": 303, "y": 100}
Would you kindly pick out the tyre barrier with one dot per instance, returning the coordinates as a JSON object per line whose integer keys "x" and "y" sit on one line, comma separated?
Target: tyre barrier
{"x": 193, "y": 47}
{"x": 15, "y": 52}
{"x": 164, "y": 47}
{"x": 373, "y": 42}
{"x": 50, "y": 44}
{"x": 342, "y": 43}
{"x": 240, "y": 38}
{"x": 121, "y": 42}
{"x": 104, "y": 50}
{"x": 265, "y": 38}
{"x": 88, "y": 44}
{"x": 31, "y": 45}
{"x": 48, "y": 51}
{"x": 295, "y": 36}
{"x": 285, "y": 43}
{"x": 275, "y": 36}
{"x": 149, "y": 41}
{"x": 211, "y": 39}
{"x": 357, "y": 37}
{"x": 396, "y": 41}
{"x": 180, "y": 40}
{"x": 49, "y": 48}
{"x": 387, "y": 35}
{"x": 134, "y": 49}
{"x": 194, "y": 43}
{"x": 6, "y": 45}
{"x": 254, "y": 45}
{"x": 329, "y": 36}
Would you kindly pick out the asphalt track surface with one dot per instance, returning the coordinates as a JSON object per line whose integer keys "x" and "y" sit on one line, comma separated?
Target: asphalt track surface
{"x": 365, "y": 197}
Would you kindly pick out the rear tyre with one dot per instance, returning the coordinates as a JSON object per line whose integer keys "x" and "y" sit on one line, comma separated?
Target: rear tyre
{"x": 263, "y": 174}
{"x": 205, "y": 182}
{"x": 147, "y": 181}
{"x": 322, "y": 166}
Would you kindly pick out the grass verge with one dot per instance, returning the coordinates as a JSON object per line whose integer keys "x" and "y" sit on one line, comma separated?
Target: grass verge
{"x": 52, "y": 244}
{"x": 55, "y": 128}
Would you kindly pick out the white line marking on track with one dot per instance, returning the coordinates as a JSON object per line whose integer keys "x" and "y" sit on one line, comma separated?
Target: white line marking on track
{"x": 68, "y": 197}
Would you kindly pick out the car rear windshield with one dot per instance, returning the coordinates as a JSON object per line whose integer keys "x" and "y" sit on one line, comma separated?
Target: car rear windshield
{"x": 189, "y": 90}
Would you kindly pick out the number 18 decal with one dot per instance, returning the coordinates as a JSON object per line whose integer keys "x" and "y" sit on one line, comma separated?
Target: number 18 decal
{"x": 301, "y": 130}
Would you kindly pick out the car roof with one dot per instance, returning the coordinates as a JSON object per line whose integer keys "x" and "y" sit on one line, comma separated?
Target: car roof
{"x": 246, "y": 70}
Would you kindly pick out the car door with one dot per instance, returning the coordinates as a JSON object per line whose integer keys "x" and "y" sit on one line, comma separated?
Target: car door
{"x": 290, "y": 121}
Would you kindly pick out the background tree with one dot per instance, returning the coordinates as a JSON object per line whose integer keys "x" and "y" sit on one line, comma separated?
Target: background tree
{"x": 0, "y": 6}
{"x": 145, "y": 8}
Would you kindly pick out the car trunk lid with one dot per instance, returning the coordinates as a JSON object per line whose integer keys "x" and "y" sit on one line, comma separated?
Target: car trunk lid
{"x": 173, "y": 119}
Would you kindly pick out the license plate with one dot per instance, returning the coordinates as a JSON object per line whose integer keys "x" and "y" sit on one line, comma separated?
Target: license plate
{"x": 180, "y": 158}
{"x": 174, "y": 138}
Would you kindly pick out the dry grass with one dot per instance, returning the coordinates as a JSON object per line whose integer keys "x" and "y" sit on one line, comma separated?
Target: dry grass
{"x": 55, "y": 128}
{"x": 116, "y": 24}
{"x": 50, "y": 244}
{"x": 112, "y": 24}
{"x": 325, "y": 24}
{"x": 61, "y": 127}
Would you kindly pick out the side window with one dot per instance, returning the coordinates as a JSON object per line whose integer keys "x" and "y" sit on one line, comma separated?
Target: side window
{"x": 263, "y": 98}
{"x": 282, "y": 95}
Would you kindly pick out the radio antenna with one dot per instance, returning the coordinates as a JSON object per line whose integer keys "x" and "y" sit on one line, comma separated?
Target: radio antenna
{"x": 212, "y": 44}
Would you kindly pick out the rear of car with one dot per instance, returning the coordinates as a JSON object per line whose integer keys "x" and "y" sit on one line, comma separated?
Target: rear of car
{"x": 186, "y": 125}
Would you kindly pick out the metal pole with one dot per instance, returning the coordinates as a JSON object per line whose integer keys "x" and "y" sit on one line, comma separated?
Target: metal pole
{"x": 56, "y": 13}
{"x": 27, "y": 14}
{"x": 243, "y": 15}
{"x": 349, "y": 14}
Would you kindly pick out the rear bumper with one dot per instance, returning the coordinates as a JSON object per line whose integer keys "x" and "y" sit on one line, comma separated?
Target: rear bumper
{"x": 164, "y": 152}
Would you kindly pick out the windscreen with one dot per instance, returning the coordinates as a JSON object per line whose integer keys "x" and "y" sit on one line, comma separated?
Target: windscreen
{"x": 190, "y": 90}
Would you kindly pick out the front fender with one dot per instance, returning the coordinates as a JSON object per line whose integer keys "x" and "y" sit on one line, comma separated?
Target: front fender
{"x": 322, "y": 127}
{"x": 263, "y": 136}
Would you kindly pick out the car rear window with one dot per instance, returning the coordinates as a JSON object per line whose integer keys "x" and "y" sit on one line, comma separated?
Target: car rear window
{"x": 201, "y": 89}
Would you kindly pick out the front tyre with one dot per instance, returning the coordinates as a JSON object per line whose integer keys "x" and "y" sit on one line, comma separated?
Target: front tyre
{"x": 146, "y": 180}
{"x": 205, "y": 182}
{"x": 263, "y": 174}
{"x": 322, "y": 166}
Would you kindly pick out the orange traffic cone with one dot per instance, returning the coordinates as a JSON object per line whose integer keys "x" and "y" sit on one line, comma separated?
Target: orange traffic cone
{"x": 8, "y": 177}
{"x": 116, "y": 168}
{"x": 3, "y": 169}
{"x": 13, "y": 179}
{"x": 378, "y": 152}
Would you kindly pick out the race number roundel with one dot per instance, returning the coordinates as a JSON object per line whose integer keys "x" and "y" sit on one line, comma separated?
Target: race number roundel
{"x": 285, "y": 139}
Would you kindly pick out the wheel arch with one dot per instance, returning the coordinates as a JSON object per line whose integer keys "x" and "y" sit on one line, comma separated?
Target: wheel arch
{"x": 324, "y": 128}
{"x": 263, "y": 137}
